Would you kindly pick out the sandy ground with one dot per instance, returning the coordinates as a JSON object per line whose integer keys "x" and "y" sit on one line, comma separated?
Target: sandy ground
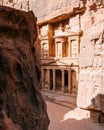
{"x": 62, "y": 118}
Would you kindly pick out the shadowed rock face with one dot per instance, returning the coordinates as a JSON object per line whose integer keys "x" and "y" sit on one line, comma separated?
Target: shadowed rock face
{"x": 6, "y": 123}
{"x": 20, "y": 98}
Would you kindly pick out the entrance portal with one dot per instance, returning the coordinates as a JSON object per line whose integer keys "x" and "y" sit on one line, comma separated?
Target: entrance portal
{"x": 58, "y": 80}
{"x": 73, "y": 81}
{"x": 66, "y": 81}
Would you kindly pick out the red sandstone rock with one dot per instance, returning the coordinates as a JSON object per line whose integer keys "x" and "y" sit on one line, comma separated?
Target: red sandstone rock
{"x": 7, "y": 124}
{"x": 20, "y": 98}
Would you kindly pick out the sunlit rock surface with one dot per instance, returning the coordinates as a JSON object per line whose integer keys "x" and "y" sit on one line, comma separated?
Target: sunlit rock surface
{"x": 86, "y": 16}
{"x": 91, "y": 83}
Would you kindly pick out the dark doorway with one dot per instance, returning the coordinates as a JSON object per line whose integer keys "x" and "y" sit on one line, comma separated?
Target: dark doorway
{"x": 66, "y": 81}
{"x": 58, "y": 80}
{"x": 51, "y": 79}
{"x": 73, "y": 82}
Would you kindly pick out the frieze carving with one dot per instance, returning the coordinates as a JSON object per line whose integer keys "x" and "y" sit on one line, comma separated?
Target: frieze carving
{"x": 65, "y": 31}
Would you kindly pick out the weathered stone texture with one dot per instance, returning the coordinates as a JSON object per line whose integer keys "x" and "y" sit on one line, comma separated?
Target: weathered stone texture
{"x": 20, "y": 98}
{"x": 91, "y": 86}
{"x": 85, "y": 16}
{"x": 7, "y": 124}
{"x": 91, "y": 77}
{"x": 18, "y": 4}
{"x": 46, "y": 9}
{"x": 52, "y": 8}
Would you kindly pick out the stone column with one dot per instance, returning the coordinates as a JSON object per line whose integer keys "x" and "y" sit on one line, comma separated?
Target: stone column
{"x": 47, "y": 50}
{"x": 54, "y": 80}
{"x": 69, "y": 81}
{"x": 55, "y": 49}
{"x": 48, "y": 78}
{"x": 77, "y": 48}
{"x": 63, "y": 81}
{"x": 77, "y": 79}
{"x": 69, "y": 47}
{"x": 42, "y": 77}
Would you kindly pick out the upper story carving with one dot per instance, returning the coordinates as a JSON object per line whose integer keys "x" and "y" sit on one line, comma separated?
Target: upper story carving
{"x": 60, "y": 39}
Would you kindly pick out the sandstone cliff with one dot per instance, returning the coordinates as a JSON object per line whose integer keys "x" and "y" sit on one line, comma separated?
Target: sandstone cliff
{"x": 91, "y": 83}
{"x": 91, "y": 57}
{"x": 86, "y": 16}
{"x": 7, "y": 124}
{"x": 20, "y": 99}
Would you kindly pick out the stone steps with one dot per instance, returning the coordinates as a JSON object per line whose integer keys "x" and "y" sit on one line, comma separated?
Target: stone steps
{"x": 66, "y": 104}
{"x": 68, "y": 100}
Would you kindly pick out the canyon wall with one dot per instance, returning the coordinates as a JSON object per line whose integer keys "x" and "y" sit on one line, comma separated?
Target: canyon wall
{"x": 21, "y": 104}
{"x": 91, "y": 58}
{"x": 86, "y": 16}
{"x": 91, "y": 81}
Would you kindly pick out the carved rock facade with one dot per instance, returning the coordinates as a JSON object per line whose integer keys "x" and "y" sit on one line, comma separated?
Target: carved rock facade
{"x": 71, "y": 36}
{"x": 21, "y": 104}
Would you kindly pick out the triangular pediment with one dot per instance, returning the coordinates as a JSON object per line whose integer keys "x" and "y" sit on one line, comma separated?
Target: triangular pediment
{"x": 57, "y": 63}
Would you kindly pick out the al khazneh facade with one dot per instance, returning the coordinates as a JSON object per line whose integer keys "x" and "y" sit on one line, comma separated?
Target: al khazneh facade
{"x": 71, "y": 34}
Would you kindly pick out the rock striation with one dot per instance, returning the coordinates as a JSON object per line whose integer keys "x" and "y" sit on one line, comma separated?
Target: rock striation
{"x": 21, "y": 103}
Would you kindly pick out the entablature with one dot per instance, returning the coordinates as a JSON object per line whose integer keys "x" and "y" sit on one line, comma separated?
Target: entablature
{"x": 60, "y": 62}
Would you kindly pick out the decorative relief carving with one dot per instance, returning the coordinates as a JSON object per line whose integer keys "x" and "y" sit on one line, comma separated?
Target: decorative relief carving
{"x": 44, "y": 31}
{"x": 59, "y": 31}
